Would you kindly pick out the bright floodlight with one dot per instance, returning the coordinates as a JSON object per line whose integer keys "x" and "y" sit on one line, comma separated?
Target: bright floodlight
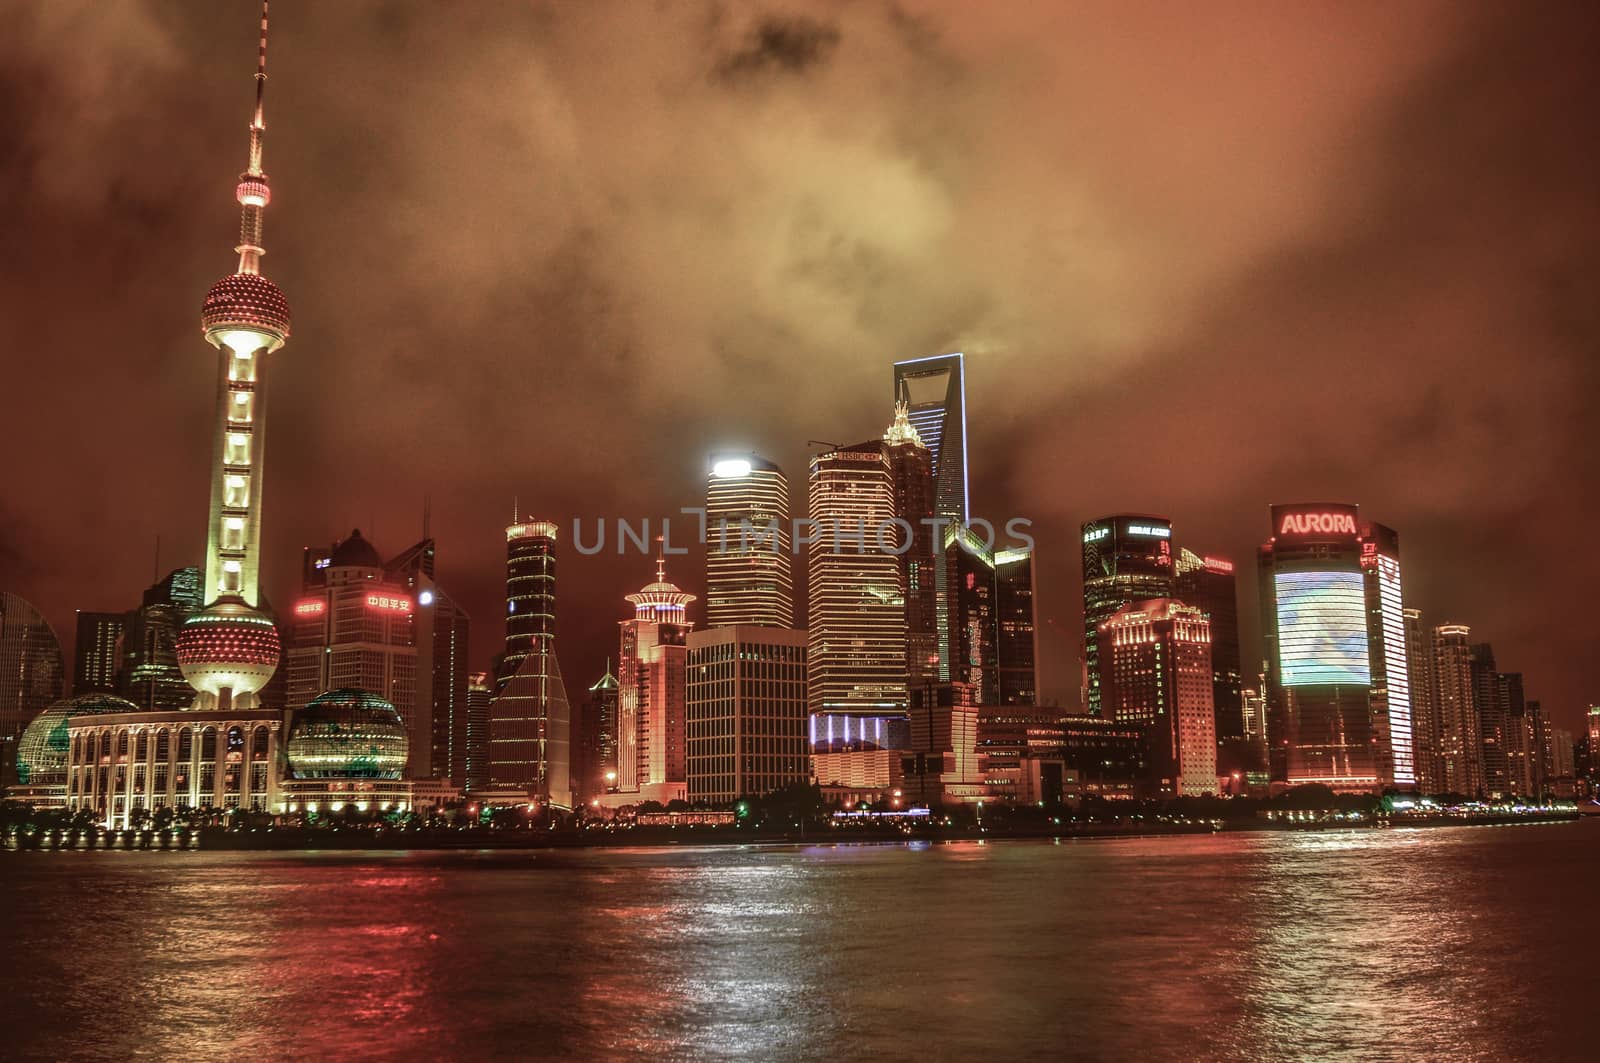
{"x": 731, "y": 467}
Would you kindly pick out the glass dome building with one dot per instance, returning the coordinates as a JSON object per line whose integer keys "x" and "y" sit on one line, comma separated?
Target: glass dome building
{"x": 42, "y": 749}
{"x": 347, "y": 734}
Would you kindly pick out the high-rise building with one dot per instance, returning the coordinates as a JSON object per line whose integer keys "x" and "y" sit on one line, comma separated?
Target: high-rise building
{"x": 1594, "y": 733}
{"x": 354, "y": 627}
{"x": 746, "y": 712}
{"x": 933, "y": 391}
{"x": 230, "y": 649}
{"x": 1492, "y": 739}
{"x": 1126, "y": 558}
{"x": 1559, "y": 762}
{"x": 856, "y": 657}
{"x": 1393, "y": 730}
{"x": 149, "y": 675}
{"x": 31, "y": 666}
{"x": 595, "y": 773}
{"x": 652, "y": 692}
{"x": 97, "y": 652}
{"x": 1460, "y": 754}
{"x": 530, "y": 722}
{"x": 1208, "y": 584}
{"x": 974, "y": 626}
{"x": 1424, "y": 709}
{"x": 1524, "y": 738}
{"x": 749, "y": 578}
{"x": 911, "y": 467}
{"x": 1016, "y": 634}
{"x": 1314, "y": 625}
{"x": 1156, "y": 661}
{"x": 437, "y": 729}
{"x": 480, "y": 698}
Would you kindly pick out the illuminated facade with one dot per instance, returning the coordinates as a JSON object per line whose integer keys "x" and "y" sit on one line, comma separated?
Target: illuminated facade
{"x": 1493, "y": 740}
{"x": 1127, "y": 558}
{"x": 530, "y": 721}
{"x": 746, "y": 712}
{"x": 31, "y": 666}
{"x": 911, "y": 467}
{"x": 933, "y": 391}
{"x": 652, "y": 692}
{"x": 1156, "y": 657}
{"x": 595, "y": 771}
{"x": 1208, "y": 583}
{"x": 1424, "y": 710}
{"x": 96, "y": 652}
{"x": 857, "y": 651}
{"x": 749, "y": 577}
{"x": 1314, "y": 619}
{"x": 1016, "y": 629}
{"x": 437, "y": 728}
{"x": 352, "y": 628}
{"x": 1394, "y": 732}
{"x": 1460, "y": 757}
{"x": 480, "y": 699}
{"x": 149, "y": 675}
{"x": 42, "y": 752}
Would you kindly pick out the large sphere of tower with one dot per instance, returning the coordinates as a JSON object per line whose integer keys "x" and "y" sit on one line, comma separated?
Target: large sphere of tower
{"x": 245, "y": 311}
{"x": 347, "y": 734}
{"x": 228, "y": 646}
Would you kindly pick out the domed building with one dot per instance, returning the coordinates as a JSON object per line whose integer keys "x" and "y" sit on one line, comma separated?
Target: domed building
{"x": 346, "y": 747}
{"x": 42, "y": 751}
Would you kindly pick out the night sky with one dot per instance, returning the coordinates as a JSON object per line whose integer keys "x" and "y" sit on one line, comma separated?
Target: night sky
{"x": 1202, "y": 258}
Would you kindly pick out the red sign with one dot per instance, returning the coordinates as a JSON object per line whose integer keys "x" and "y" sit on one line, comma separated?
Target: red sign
{"x": 1217, "y": 564}
{"x": 310, "y": 607}
{"x": 1369, "y": 554}
{"x": 1318, "y": 524}
{"x": 389, "y": 603}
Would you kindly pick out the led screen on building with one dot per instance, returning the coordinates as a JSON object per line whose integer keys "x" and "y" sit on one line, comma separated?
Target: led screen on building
{"x": 1322, "y": 629}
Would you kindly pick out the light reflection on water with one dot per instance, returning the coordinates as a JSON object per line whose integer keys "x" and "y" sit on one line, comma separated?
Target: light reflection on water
{"x": 1439, "y": 944}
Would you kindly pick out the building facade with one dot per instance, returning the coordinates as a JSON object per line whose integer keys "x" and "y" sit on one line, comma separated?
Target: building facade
{"x": 530, "y": 720}
{"x": 97, "y": 652}
{"x": 928, "y": 652}
{"x": 1156, "y": 657}
{"x": 1208, "y": 583}
{"x": 746, "y": 712}
{"x": 1460, "y": 752}
{"x": 1127, "y": 558}
{"x": 32, "y": 671}
{"x": 1394, "y": 733}
{"x": 749, "y": 562}
{"x": 1424, "y": 706}
{"x": 652, "y": 692}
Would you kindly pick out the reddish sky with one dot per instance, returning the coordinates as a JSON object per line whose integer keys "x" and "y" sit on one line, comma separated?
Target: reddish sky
{"x": 1202, "y": 258}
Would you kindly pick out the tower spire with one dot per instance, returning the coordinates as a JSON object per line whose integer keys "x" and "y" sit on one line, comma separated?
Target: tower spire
{"x": 253, "y": 191}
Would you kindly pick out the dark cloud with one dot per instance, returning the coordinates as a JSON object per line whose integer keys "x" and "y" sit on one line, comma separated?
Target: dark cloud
{"x": 1201, "y": 259}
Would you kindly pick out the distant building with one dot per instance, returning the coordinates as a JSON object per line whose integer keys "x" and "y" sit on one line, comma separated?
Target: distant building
{"x": 1528, "y": 726}
{"x": 942, "y": 765}
{"x": 652, "y": 692}
{"x": 1424, "y": 705}
{"x": 746, "y": 712}
{"x": 1155, "y": 659}
{"x": 1314, "y": 625}
{"x": 857, "y": 653}
{"x": 1016, "y": 634}
{"x": 96, "y": 652}
{"x": 858, "y": 755}
{"x": 32, "y": 670}
{"x": 595, "y": 741}
{"x": 1127, "y": 558}
{"x": 1492, "y": 713}
{"x": 480, "y": 700}
{"x": 1208, "y": 584}
{"x": 748, "y": 556}
{"x": 911, "y": 468}
{"x": 149, "y": 675}
{"x": 1460, "y": 753}
{"x": 1392, "y": 715}
{"x": 1559, "y": 762}
{"x": 437, "y": 730}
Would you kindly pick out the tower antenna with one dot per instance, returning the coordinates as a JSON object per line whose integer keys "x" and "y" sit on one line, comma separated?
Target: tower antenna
{"x": 254, "y": 192}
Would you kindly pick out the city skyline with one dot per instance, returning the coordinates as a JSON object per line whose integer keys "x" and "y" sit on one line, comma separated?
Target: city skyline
{"x": 1484, "y": 533}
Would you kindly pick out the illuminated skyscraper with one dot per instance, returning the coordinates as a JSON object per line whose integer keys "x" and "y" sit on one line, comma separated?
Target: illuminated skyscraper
{"x": 97, "y": 652}
{"x": 31, "y": 666}
{"x": 530, "y": 722}
{"x": 149, "y": 675}
{"x": 1016, "y": 628}
{"x": 749, "y": 576}
{"x": 598, "y": 769}
{"x": 480, "y": 698}
{"x": 935, "y": 394}
{"x": 1208, "y": 583}
{"x": 1314, "y": 620}
{"x": 1424, "y": 710}
{"x": 1594, "y": 733}
{"x": 1460, "y": 755}
{"x": 1157, "y": 661}
{"x": 437, "y": 731}
{"x": 229, "y": 650}
{"x": 746, "y": 712}
{"x": 1392, "y": 712}
{"x": 856, "y": 655}
{"x": 911, "y": 466}
{"x": 1126, "y": 558}
{"x": 652, "y": 694}
{"x": 1492, "y": 738}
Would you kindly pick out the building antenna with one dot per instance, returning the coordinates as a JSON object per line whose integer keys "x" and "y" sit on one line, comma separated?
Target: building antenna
{"x": 253, "y": 192}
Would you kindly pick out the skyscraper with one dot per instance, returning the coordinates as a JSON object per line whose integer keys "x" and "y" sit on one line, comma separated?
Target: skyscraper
{"x": 530, "y": 722}
{"x": 1424, "y": 711}
{"x": 652, "y": 691}
{"x": 1491, "y": 711}
{"x": 437, "y": 729}
{"x": 974, "y": 626}
{"x": 599, "y": 744}
{"x": 1016, "y": 634}
{"x": 856, "y": 654}
{"x": 1393, "y": 729}
{"x": 1208, "y": 583}
{"x": 1156, "y": 657}
{"x": 746, "y": 712}
{"x": 149, "y": 675}
{"x": 1460, "y": 755}
{"x": 229, "y": 649}
{"x": 749, "y": 577}
{"x": 911, "y": 467}
{"x": 1127, "y": 558}
{"x": 97, "y": 652}
{"x": 480, "y": 698}
{"x": 934, "y": 392}
{"x": 1314, "y": 621}
{"x": 31, "y": 666}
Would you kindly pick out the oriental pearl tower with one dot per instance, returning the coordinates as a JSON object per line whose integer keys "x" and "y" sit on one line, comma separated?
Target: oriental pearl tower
{"x": 229, "y": 649}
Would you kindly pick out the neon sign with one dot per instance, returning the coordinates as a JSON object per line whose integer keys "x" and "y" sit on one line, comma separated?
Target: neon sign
{"x": 1154, "y": 530}
{"x": 1094, "y": 535}
{"x": 1312, "y": 523}
{"x": 389, "y": 603}
{"x": 1217, "y": 564}
{"x": 310, "y": 607}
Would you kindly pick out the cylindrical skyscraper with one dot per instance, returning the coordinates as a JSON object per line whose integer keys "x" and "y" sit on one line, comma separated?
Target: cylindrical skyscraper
{"x": 530, "y": 591}
{"x": 230, "y": 649}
